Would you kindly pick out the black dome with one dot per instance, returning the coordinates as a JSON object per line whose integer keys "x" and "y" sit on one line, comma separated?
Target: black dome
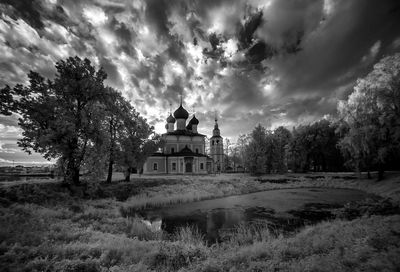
{"x": 181, "y": 113}
{"x": 171, "y": 119}
{"x": 194, "y": 120}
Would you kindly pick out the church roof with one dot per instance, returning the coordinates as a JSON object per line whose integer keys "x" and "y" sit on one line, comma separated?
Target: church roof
{"x": 170, "y": 119}
{"x": 185, "y": 152}
{"x": 184, "y": 132}
{"x": 194, "y": 120}
{"x": 181, "y": 113}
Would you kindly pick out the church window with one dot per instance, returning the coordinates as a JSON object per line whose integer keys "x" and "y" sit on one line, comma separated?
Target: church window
{"x": 172, "y": 150}
{"x": 173, "y": 166}
{"x": 155, "y": 166}
{"x": 197, "y": 151}
{"x": 201, "y": 166}
{"x": 217, "y": 141}
{"x": 212, "y": 142}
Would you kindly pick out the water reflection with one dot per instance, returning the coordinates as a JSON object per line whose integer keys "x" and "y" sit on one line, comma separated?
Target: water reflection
{"x": 214, "y": 222}
{"x": 281, "y": 210}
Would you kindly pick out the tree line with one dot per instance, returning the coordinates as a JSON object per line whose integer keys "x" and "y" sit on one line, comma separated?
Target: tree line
{"x": 365, "y": 136}
{"x": 76, "y": 119}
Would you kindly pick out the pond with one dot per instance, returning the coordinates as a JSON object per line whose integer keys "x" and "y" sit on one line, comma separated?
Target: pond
{"x": 284, "y": 210}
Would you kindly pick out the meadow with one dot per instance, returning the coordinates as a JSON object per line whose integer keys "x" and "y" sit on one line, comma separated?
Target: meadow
{"x": 47, "y": 227}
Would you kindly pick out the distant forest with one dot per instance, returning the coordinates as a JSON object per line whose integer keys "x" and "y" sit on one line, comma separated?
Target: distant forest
{"x": 364, "y": 137}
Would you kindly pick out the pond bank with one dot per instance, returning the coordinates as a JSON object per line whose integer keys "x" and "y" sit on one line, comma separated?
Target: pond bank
{"x": 203, "y": 188}
{"x": 48, "y": 228}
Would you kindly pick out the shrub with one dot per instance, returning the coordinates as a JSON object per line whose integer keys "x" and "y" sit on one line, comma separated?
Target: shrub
{"x": 248, "y": 233}
{"x": 174, "y": 256}
{"x": 189, "y": 235}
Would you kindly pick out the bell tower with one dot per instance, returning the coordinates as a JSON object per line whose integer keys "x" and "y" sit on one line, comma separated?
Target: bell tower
{"x": 217, "y": 148}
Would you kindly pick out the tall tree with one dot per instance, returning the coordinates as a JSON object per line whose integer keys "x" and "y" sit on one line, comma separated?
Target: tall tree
{"x": 256, "y": 151}
{"x": 298, "y": 150}
{"x": 314, "y": 147}
{"x": 242, "y": 143}
{"x": 371, "y": 116}
{"x": 117, "y": 115}
{"x": 7, "y": 104}
{"x": 282, "y": 138}
{"x": 57, "y": 115}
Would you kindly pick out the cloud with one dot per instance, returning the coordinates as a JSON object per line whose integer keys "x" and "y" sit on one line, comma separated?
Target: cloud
{"x": 253, "y": 61}
{"x": 8, "y": 148}
{"x": 95, "y": 15}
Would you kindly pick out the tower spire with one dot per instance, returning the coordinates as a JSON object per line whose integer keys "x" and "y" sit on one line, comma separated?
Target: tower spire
{"x": 181, "y": 98}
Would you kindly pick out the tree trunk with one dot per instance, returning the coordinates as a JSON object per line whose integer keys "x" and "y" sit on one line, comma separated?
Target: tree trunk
{"x": 127, "y": 174}
{"x": 72, "y": 173}
{"x": 111, "y": 159}
{"x": 110, "y": 170}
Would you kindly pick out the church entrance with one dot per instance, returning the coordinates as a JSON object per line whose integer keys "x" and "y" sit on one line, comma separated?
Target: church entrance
{"x": 188, "y": 164}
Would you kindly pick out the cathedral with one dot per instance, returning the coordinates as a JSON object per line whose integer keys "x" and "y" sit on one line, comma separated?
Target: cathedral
{"x": 184, "y": 151}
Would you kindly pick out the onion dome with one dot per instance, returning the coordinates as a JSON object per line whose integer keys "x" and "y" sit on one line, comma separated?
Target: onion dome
{"x": 194, "y": 120}
{"x": 170, "y": 119}
{"x": 189, "y": 126}
{"x": 181, "y": 113}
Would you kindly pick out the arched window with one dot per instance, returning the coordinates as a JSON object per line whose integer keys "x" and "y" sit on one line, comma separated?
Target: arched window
{"x": 172, "y": 150}
{"x": 212, "y": 142}
{"x": 155, "y": 166}
{"x": 197, "y": 151}
{"x": 217, "y": 141}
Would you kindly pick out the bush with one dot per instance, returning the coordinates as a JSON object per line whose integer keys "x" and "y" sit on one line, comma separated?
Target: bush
{"x": 248, "y": 233}
{"x": 368, "y": 207}
{"x": 174, "y": 256}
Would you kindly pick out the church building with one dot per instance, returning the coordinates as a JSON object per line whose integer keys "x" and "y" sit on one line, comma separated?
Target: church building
{"x": 184, "y": 151}
{"x": 217, "y": 149}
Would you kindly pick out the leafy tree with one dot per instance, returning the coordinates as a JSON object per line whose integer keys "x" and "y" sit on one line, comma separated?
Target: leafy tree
{"x": 234, "y": 156}
{"x": 298, "y": 154}
{"x": 256, "y": 158}
{"x": 58, "y": 117}
{"x": 117, "y": 118}
{"x": 314, "y": 147}
{"x": 7, "y": 105}
{"x": 371, "y": 117}
{"x": 137, "y": 146}
{"x": 281, "y": 139}
{"x": 242, "y": 142}
{"x": 266, "y": 151}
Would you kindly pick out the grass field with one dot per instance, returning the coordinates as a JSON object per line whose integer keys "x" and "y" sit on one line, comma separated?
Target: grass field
{"x": 45, "y": 227}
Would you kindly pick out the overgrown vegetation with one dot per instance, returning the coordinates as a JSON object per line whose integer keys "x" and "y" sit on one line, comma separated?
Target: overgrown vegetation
{"x": 45, "y": 228}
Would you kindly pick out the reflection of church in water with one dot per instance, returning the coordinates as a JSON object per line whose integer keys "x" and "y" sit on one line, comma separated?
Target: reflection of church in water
{"x": 184, "y": 151}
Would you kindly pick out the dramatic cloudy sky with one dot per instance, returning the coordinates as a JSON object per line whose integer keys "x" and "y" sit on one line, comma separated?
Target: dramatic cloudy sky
{"x": 274, "y": 62}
